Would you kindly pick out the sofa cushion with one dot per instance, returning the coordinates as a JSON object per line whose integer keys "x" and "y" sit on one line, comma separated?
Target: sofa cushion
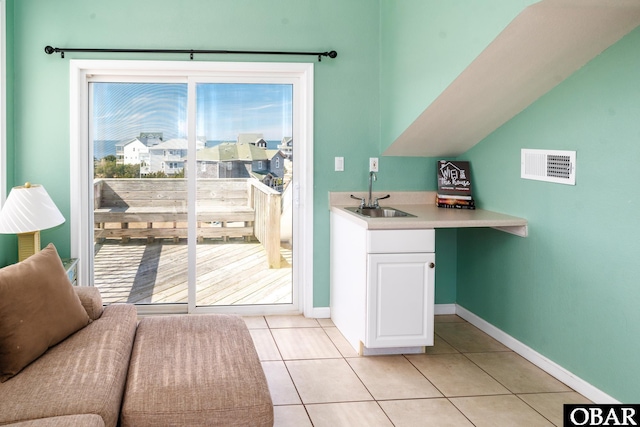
{"x": 195, "y": 370}
{"x": 38, "y": 309}
{"x": 82, "y": 420}
{"x": 84, "y": 374}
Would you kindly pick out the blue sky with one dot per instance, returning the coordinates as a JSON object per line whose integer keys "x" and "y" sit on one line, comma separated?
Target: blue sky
{"x": 122, "y": 111}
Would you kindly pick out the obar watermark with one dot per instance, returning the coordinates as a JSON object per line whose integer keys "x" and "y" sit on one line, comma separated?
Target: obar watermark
{"x": 601, "y": 415}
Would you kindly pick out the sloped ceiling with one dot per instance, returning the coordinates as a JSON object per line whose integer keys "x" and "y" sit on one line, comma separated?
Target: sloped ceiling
{"x": 541, "y": 47}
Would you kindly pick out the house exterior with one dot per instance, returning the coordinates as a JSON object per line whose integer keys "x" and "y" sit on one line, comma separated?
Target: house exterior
{"x": 170, "y": 156}
{"x": 133, "y": 152}
{"x": 249, "y": 138}
{"x": 240, "y": 160}
{"x": 286, "y": 146}
{"x": 276, "y": 162}
{"x": 230, "y": 160}
{"x": 151, "y": 138}
{"x": 272, "y": 171}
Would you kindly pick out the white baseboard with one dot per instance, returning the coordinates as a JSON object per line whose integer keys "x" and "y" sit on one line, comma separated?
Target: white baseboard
{"x": 578, "y": 384}
{"x": 319, "y": 313}
{"x": 587, "y": 390}
{"x": 441, "y": 309}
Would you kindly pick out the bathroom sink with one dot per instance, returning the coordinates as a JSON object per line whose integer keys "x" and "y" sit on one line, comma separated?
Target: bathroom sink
{"x": 380, "y": 212}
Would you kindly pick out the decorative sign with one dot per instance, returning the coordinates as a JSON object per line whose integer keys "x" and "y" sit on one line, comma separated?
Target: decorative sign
{"x": 454, "y": 185}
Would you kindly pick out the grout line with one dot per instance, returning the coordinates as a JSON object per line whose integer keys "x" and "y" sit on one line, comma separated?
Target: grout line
{"x": 534, "y": 409}
{"x": 377, "y": 401}
{"x": 423, "y": 375}
{"x": 459, "y": 410}
{"x": 287, "y": 368}
{"x": 511, "y": 393}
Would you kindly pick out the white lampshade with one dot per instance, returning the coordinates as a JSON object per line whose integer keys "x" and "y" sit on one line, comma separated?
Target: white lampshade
{"x": 27, "y": 209}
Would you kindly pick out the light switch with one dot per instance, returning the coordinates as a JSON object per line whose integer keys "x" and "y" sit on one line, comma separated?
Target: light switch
{"x": 339, "y": 164}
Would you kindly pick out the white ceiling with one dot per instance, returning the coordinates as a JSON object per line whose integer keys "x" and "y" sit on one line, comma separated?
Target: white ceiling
{"x": 541, "y": 47}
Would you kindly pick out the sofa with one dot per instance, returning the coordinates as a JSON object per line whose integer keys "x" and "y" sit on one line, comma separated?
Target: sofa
{"x": 65, "y": 360}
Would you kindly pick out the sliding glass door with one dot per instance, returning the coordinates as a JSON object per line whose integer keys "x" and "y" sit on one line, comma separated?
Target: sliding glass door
{"x": 194, "y": 192}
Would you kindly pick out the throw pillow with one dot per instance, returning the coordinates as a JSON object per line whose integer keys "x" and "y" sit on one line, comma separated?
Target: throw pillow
{"x": 38, "y": 309}
{"x": 91, "y": 300}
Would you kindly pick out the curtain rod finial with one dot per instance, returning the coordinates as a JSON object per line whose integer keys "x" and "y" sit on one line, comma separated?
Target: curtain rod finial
{"x": 49, "y": 50}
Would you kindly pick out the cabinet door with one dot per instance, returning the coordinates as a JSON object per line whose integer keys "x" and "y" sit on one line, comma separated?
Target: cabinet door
{"x": 400, "y": 303}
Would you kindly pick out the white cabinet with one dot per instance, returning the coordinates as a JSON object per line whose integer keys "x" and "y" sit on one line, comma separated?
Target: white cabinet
{"x": 400, "y": 300}
{"x": 382, "y": 287}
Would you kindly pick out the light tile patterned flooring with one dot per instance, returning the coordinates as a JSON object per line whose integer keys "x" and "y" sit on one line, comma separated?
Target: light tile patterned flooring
{"x": 466, "y": 379}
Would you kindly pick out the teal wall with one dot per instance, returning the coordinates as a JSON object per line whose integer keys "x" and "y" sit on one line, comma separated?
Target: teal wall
{"x": 347, "y": 96}
{"x": 425, "y": 45}
{"x": 571, "y": 289}
{"x": 7, "y": 241}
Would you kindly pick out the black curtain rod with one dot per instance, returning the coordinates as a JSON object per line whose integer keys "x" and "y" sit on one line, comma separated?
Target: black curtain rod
{"x": 49, "y": 50}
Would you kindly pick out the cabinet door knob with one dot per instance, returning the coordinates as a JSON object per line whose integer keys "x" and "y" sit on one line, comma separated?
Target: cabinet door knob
{"x": 432, "y": 265}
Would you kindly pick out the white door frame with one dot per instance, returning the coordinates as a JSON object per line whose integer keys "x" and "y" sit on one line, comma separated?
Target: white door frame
{"x": 81, "y": 150}
{"x": 3, "y": 104}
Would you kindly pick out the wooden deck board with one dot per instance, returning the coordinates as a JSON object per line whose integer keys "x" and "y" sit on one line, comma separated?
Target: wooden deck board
{"x": 232, "y": 273}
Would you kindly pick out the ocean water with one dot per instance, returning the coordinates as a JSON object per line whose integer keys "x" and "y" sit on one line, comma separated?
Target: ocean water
{"x": 104, "y": 148}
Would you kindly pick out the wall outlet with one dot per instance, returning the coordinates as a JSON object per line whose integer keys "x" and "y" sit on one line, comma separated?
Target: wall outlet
{"x": 373, "y": 164}
{"x": 339, "y": 164}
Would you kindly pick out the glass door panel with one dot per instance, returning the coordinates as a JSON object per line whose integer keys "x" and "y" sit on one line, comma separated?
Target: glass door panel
{"x": 139, "y": 140}
{"x": 243, "y": 194}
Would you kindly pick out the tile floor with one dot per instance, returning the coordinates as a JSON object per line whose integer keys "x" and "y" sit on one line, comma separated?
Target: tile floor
{"x": 466, "y": 379}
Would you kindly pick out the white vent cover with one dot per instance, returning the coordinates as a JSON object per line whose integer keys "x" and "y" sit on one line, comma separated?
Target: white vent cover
{"x": 549, "y": 165}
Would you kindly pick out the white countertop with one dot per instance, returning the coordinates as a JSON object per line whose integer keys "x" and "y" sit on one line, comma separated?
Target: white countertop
{"x": 427, "y": 214}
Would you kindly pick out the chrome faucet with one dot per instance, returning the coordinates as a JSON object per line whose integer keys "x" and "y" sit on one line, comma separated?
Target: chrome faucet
{"x": 372, "y": 177}
{"x": 370, "y": 203}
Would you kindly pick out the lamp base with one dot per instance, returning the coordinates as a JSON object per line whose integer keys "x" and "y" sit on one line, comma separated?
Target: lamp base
{"x": 28, "y": 244}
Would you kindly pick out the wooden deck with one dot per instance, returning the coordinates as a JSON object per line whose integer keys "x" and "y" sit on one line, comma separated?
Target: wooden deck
{"x": 228, "y": 273}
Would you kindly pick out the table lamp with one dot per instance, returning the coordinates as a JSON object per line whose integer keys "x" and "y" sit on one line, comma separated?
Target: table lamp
{"x": 28, "y": 210}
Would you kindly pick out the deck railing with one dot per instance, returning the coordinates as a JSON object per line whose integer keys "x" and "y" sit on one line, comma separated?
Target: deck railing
{"x": 159, "y": 205}
{"x": 267, "y": 204}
